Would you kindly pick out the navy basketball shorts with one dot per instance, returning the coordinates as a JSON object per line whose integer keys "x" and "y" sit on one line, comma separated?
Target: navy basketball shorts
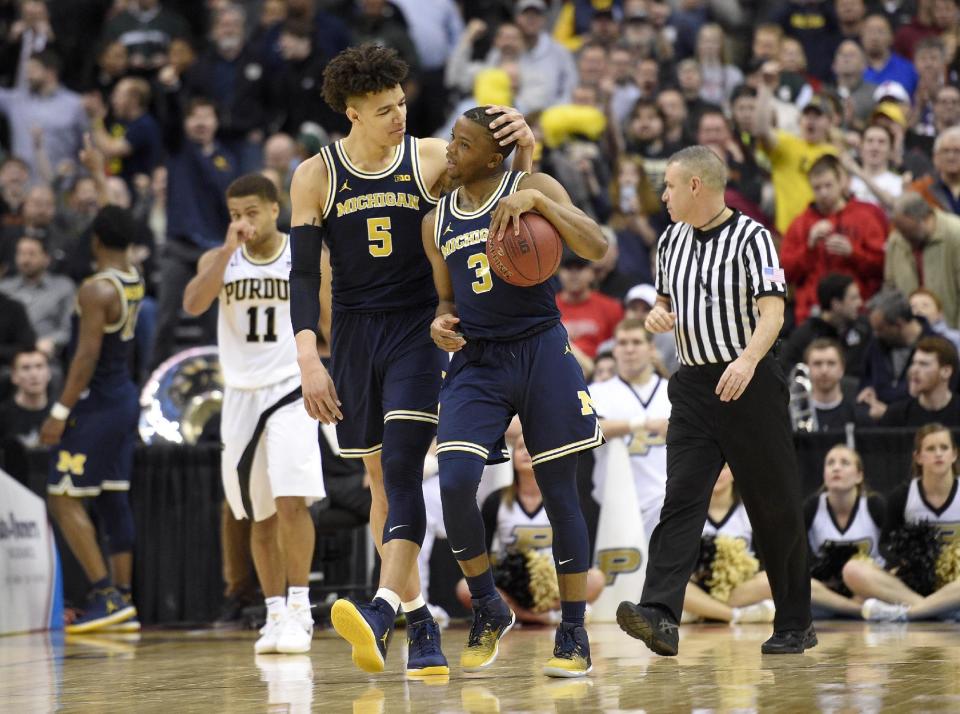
{"x": 537, "y": 378}
{"x": 385, "y": 367}
{"x": 96, "y": 451}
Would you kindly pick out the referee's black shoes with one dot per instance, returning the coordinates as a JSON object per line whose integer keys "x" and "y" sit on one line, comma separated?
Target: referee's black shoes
{"x": 653, "y": 626}
{"x": 790, "y": 641}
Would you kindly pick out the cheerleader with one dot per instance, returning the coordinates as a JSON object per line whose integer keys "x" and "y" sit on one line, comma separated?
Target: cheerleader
{"x": 842, "y": 522}
{"x": 738, "y": 593}
{"x": 931, "y": 497}
{"x": 516, "y": 522}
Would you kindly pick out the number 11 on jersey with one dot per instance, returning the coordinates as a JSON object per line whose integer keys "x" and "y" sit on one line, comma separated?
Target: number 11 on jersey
{"x": 270, "y": 335}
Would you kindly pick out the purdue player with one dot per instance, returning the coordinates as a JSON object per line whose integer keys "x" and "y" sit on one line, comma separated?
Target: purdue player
{"x": 271, "y": 453}
{"x": 513, "y": 357}
{"x": 364, "y": 197}
{"x": 634, "y": 405}
{"x": 94, "y": 426}
{"x": 931, "y": 496}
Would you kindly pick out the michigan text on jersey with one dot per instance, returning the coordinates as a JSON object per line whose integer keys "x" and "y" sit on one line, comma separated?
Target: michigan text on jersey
{"x": 464, "y": 240}
{"x": 377, "y": 200}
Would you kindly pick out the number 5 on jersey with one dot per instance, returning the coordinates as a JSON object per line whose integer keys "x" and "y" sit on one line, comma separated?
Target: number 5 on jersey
{"x": 378, "y": 233}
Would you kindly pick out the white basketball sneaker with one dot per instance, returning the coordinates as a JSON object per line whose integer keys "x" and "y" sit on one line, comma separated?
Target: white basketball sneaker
{"x": 762, "y": 611}
{"x": 296, "y": 631}
{"x": 874, "y": 610}
{"x": 267, "y": 644}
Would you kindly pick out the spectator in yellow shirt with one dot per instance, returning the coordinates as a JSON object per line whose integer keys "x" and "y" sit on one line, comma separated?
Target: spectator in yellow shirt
{"x": 790, "y": 155}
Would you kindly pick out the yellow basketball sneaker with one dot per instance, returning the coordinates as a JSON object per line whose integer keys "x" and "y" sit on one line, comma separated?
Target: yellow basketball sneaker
{"x": 491, "y": 621}
{"x": 571, "y": 653}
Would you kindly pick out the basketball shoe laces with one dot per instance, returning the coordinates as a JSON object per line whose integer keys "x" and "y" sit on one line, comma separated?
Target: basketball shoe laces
{"x": 480, "y": 632}
{"x": 424, "y": 638}
{"x": 566, "y": 646}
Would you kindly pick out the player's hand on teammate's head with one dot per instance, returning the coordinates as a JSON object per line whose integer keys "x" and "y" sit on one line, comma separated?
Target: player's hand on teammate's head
{"x": 444, "y": 335}
{"x": 319, "y": 395}
{"x": 659, "y": 320}
{"x": 510, "y": 126}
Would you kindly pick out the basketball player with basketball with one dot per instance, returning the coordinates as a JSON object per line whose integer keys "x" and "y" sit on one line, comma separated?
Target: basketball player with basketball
{"x": 365, "y": 196}
{"x": 271, "y": 454}
{"x": 512, "y": 357}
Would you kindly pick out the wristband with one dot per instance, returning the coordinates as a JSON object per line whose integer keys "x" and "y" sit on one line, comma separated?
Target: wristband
{"x": 59, "y": 412}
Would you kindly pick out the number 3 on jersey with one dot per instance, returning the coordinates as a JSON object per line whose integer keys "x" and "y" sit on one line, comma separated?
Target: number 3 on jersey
{"x": 481, "y": 266}
{"x": 378, "y": 233}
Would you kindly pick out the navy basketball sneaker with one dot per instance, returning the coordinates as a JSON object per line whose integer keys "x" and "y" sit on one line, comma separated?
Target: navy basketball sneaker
{"x": 425, "y": 658}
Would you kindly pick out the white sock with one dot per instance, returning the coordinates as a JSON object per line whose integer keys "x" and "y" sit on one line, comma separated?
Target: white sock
{"x": 298, "y": 598}
{"x": 414, "y": 604}
{"x": 390, "y": 596}
{"x": 276, "y": 606}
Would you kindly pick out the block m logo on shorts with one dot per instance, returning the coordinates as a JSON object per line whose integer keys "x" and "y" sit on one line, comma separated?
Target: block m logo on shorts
{"x": 72, "y": 464}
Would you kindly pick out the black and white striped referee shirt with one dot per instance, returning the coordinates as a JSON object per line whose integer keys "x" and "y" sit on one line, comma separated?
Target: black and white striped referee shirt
{"x": 713, "y": 279}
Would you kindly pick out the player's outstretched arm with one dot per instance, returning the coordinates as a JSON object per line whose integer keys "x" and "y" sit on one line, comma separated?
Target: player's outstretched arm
{"x": 443, "y": 329}
{"x": 205, "y": 286}
{"x": 94, "y": 299}
{"x": 545, "y": 195}
{"x": 307, "y": 193}
{"x": 511, "y": 127}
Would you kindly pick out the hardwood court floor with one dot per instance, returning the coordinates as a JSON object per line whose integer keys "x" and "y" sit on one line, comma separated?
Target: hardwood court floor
{"x": 856, "y": 668}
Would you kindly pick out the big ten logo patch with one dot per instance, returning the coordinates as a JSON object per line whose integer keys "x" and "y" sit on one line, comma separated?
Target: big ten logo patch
{"x": 398, "y": 178}
{"x": 532, "y": 538}
{"x": 72, "y": 464}
{"x": 617, "y": 561}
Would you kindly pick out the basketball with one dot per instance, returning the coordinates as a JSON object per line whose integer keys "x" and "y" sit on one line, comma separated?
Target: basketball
{"x": 529, "y": 257}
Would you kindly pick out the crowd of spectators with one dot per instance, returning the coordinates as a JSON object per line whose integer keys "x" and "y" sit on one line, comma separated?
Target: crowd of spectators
{"x": 839, "y": 121}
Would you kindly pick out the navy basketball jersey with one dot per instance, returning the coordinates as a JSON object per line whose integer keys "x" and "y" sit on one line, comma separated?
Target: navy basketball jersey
{"x": 113, "y": 366}
{"x": 371, "y": 224}
{"x": 488, "y": 307}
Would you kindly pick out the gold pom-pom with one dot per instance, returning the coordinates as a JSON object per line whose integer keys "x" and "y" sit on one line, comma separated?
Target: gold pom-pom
{"x": 948, "y": 564}
{"x": 543, "y": 580}
{"x": 732, "y": 565}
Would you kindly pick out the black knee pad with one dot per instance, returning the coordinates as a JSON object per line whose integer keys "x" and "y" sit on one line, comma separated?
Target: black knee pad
{"x": 405, "y": 444}
{"x": 116, "y": 518}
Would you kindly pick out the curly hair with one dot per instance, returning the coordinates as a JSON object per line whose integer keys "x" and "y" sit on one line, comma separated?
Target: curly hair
{"x": 362, "y": 70}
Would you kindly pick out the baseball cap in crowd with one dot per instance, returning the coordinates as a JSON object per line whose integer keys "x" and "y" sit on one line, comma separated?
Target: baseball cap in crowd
{"x": 572, "y": 260}
{"x": 538, "y": 5}
{"x": 891, "y": 110}
{"x": 644, "y": 292}
{"x": 891, "y": 90}
{"x": 818, "y": 103}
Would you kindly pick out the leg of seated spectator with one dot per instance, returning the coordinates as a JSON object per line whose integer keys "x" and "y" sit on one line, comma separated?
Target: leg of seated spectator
{"x": 378, "y": 517}
{"x": 823, "y": 597}
{"x": 528, "y": 616}
{"x": 750, "y": 591}
{"x": 463, "y": 593}
{"x": 81, "y": 536}
{"x": 939, "y": 603}
{"x": 596, "y": 581}
{"x": 866, "y": 579}
{"x": 699, "y": 602}
{"x": 268, "y": 557}
{"x": 296, "y": 538}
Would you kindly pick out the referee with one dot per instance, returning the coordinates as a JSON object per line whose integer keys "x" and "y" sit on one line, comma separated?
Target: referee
{"x": 721, "y": 290}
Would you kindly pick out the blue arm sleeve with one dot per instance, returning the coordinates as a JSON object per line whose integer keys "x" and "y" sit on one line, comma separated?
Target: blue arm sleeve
{"x": 306, "y": 243}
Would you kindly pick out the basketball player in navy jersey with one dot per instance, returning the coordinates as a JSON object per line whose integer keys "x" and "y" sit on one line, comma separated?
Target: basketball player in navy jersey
{"x": 365, "y": 197}
{"x": 512, "y": 357}
{"x": 94, "y": 425}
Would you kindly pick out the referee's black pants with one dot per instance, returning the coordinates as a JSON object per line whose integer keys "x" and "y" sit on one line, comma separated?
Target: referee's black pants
{"x": 752, "y": 434}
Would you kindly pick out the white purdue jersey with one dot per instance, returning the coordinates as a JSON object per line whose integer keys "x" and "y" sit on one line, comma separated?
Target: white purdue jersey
{"x": 254, "y": 334}
{"x": 517, "y": 529}
{"x": 861, "y": 529}
{"x": 946, "y": 518}
{"x": 617, "y": 399}
{"x": 733, "y": 525}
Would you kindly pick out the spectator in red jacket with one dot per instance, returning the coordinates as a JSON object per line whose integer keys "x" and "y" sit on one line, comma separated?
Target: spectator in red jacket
{"x": 834, "y": 235}
{"x": 590, "y": 317}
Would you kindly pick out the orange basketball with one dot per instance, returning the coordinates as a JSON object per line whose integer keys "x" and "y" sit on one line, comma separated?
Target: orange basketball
{"x": 530, "y": 257}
